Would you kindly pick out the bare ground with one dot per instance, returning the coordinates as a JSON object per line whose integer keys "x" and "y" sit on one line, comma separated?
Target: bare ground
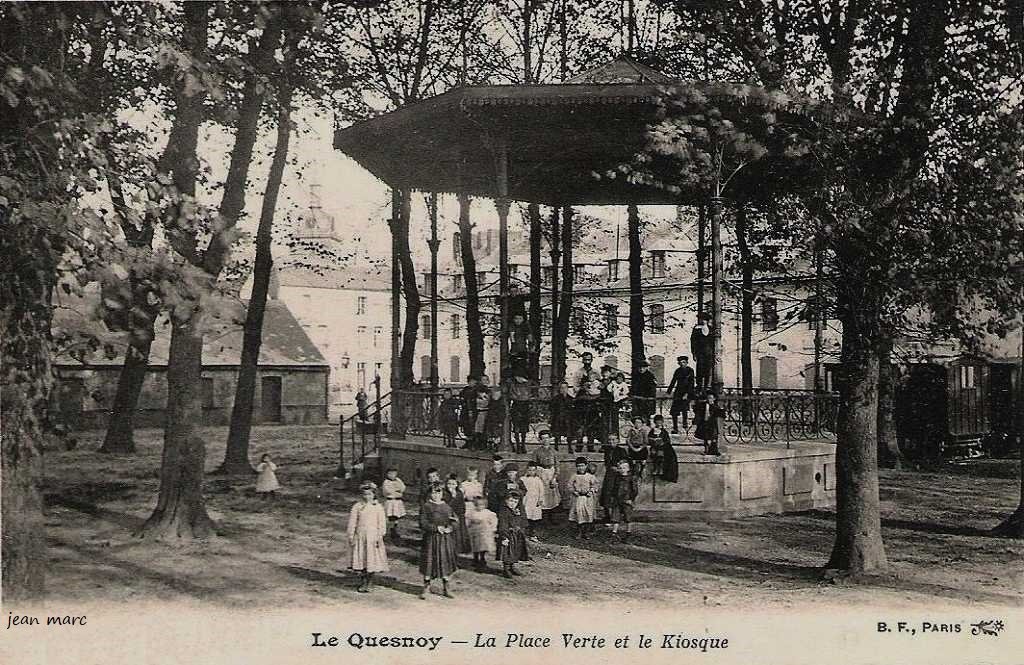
{"x": 292, "y": 551}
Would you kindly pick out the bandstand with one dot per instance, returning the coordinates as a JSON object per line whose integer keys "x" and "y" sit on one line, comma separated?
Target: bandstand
{"x": 572, "y": 144}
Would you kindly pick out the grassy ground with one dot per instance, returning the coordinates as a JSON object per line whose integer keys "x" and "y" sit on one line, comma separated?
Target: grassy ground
{"x": 292, "y": 551}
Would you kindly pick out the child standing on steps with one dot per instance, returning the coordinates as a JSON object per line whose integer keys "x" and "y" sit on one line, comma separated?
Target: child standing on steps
{"x": 482, "y": 525}
{"x": 366, "y": 528}
{"x": 511, "y": 535}
{"x": 437, "y": 554}
{"x": 393, "y": 490}
{"x": 266, "y": 480}
{"x": 583, "y": 487}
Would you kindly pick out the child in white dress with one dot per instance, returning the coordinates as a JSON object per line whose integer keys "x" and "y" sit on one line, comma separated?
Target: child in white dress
{"x": 533, "y": 502}
{"x": 482, "y": 525}
{"x": 393, "y": 489}
{"x": 366, "y": 528}
{"x": 471, "y": 488}
{"x": 266, "y": 479}
{"x": 583, "y": 488}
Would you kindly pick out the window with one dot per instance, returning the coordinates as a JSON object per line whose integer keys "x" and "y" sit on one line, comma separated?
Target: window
{"x": 812, "y": 312}
{"x": 658, "y": 263}
{"x": 545, "y": 322}
{"x": 361, "y": 333}
{"x": 424, "y": 368}
{"x": 457, "y": 282}
{"x": 361, "y": 305}
{"x": 457, "y": 248}
{"x": 611, "y": 320}
{"x": 548, "y": 275}
{"x": 428, "y": 284}
{"x": 579, "y": 320}
{"x": 426, "y": 327}
{"x": 613, "y": 270}
{"x": 967, "y": 379}
{"x": 208, "y": 395}
{"x": 455, "y": 373}
{"x": 579, "y": 272}
{"x": 361, "y": 375}
{"x": 378, "y": 332}
{"x": 769, "y": 367}
{"x": 657, "y": 319}
{"x": 769, "y": 314}
{"x": 545, "y": 374}
{"x": 456, "y": 326}
{"x": 658, "y": 369}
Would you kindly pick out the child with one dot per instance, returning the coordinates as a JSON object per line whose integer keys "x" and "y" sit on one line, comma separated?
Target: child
{"x": 636, "y": 446}
{"x": 437, "y": 554}
{"x": 483, "y": 405}
{"x": 266, "y": 481}
{"x": 448, "y": 418}
{"x": 661, "y": 447}
{"x": 366, "y": 528}
{"x": 511, "y": 536}
{"x": 495, "y": 418}
{"x": 533, "y": 500}
{"x": 456, "y": 500}
{"x": 471, "y": 488}
{"x": 393, "y": 490}
{"x": 495, "y": 476}
{"x": 482, "y": 525}
{"x": 619, "y": 390}
{"x": 513, "y": 484}
{"x": 623, "y": 493}
{"x": 583, "y": 487}
{"x": 614, "y": 453}
{"x": 433, "y": 478}
{"x": 519, "y": 414}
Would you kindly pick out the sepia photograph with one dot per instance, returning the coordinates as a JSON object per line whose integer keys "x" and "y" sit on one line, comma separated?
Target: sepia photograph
{"x": 578, "y": 331}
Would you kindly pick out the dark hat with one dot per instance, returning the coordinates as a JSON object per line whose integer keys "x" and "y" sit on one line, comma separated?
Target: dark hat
{"x": 511, "y": 467}
{"x": 643, "y": 363}
{"x": 516, "y": 494}
{"x": 582, "y": 460}
{"x": 682, "y": 358}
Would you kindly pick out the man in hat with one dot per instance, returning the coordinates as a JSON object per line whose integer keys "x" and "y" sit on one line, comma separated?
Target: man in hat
{"x": 645, "y": 392}
{"x": 703, "y": 351}
{"x": 681, "y": 388}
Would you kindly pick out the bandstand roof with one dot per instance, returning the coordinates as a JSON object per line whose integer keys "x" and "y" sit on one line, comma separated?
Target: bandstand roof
{"x": 561, "y": 138}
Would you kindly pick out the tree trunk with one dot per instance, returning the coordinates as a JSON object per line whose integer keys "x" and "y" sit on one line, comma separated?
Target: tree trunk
{"x": 889, "y": 454}
{"x": 858, "y": 545}
{"x": 411, "y": 292}
{"x": 120, "y": 437}
{"x": 474, "y": 331}
{"x": 636, "y": 291}
{"x": 556, "y": 257}
{"x": 236, "y": 457}
{"x": 181, "y": 510}
{"x": 560, "y": 332}
{"x": 25, "y": 379}
{"x": 535, "y": 290}
{"x": 746, "y": 302}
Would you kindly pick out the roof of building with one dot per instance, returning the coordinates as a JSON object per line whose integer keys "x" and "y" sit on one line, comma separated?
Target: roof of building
{"x": 285, "y": 343}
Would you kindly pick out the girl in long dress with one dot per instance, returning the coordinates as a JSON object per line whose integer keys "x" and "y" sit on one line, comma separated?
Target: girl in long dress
{"x": 456, "y": 500}
{"x": 437, "y": 554}
{"x": 266, "y": 479}
{"x": 583, "y": 487}
{"x": 366, "y": 528}
{"x": 511, "y": 536}
{"x": 482, "y": 525}
{"x": 533, "y": 501}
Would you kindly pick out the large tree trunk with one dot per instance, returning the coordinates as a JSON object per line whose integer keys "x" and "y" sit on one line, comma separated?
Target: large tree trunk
{"x": 746, "y": 302}
{"x": 474, "y": 331}
{"x": 120, "y": 437}
{"x": 560, "y": 332}
{"x": 236, "y": 457}
{"x": 181, "y": 510}
{"x": 25, "y": 316}
{"x": 410, "y": 290}
{"x": 533, "y": 211}
{"x": 889, "y": 454}
{"x": 637, "y": 352}
{"x": 858, "y": 545}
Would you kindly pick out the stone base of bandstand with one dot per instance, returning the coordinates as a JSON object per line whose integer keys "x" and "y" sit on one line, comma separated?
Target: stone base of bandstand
{"x": 745, "y": 480}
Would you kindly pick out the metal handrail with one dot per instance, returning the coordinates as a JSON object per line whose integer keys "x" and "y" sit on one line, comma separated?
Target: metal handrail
{"x": 380, "y": 403}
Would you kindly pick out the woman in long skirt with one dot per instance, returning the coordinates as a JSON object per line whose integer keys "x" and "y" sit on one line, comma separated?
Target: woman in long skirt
{"x": 366, "y": 528}
{"x": 456, "y": 500}
{"x": 437, "y": 554}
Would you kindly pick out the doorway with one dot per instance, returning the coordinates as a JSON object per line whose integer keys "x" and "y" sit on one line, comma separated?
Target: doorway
{"x": 270, "y": 401}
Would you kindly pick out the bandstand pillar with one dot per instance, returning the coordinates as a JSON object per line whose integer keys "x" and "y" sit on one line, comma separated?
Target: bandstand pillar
{"x": 501, "y": 202}
{"x": 434, "y": 245}
{"x": 397, "y": 425}
{"x": 717, "y": 369}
